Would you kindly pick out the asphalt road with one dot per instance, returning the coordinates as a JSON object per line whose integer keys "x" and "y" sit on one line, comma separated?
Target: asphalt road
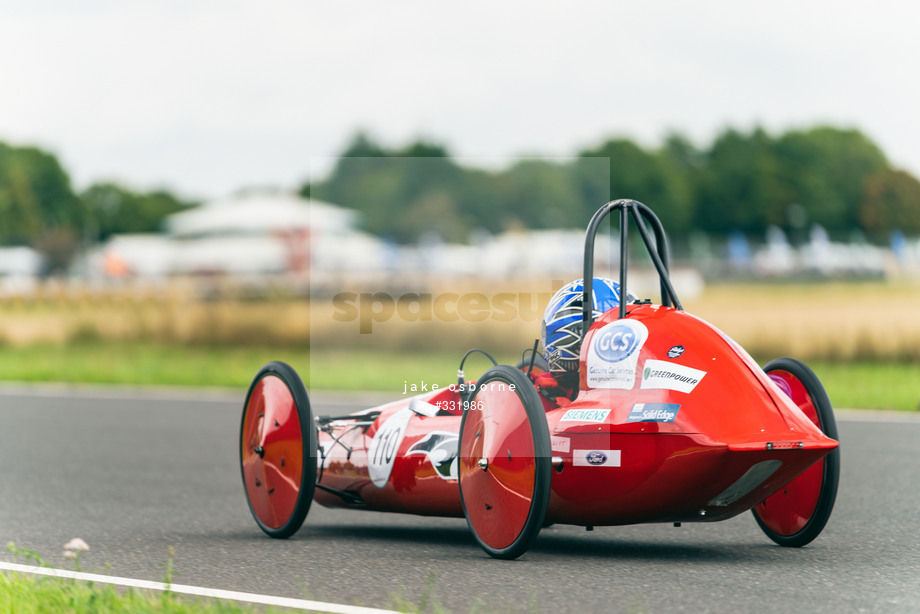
{"x": 135, "y": 475}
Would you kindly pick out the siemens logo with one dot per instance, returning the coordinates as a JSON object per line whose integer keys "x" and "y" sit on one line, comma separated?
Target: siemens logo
{"x": 585, "y": 415}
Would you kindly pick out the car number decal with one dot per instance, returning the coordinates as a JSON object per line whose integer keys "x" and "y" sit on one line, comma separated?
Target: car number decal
{"x": 382, "y": 452}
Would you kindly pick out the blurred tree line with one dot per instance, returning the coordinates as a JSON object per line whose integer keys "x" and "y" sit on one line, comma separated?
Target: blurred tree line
{"x": 741, "y": 181}
{"x": 39, "y": 207}
{"x": 834, "y": 177}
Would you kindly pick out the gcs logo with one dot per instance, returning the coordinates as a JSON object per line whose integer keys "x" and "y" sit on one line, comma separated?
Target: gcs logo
{"x": 616, "y": 342}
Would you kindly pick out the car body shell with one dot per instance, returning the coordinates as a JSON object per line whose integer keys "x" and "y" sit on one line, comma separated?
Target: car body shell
{"x": 674, "y": 422}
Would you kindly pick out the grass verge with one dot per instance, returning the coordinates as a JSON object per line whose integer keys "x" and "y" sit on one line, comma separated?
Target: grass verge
{"x": 864, "y": 385}
{"x": 78, "y": 593}
{"x": 24, "y": 595}
{"x": 869, "y": 385}
{"x": 141, "y": 364}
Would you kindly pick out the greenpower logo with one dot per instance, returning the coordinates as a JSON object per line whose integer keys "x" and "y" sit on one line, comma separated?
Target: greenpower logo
{"x": 670, "y": 376}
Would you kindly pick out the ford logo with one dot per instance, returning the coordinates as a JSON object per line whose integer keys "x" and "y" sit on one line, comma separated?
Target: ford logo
{"x": 596, "y": 458}
{"x": 617, "y": 342}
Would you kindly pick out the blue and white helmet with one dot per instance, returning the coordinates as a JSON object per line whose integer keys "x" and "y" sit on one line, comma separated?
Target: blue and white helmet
{"x": 562, "y": 324}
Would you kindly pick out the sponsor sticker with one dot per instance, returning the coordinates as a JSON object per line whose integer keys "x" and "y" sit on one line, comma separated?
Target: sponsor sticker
{"x": 662, "y": 374}
{"x": 596, "y": 458}
{"x": 653, "y": 412}
{"x": 560, "y": 444}
{"x": 585, "y": 415}
{"x": 382, "y": 452}
{"x": 614, "y": 354}
{"x": 441, "y": 448}
{"x": 676, "y": 351}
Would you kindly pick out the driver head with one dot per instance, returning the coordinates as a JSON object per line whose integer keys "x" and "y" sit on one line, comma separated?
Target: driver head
{"x": 562, "y": 321}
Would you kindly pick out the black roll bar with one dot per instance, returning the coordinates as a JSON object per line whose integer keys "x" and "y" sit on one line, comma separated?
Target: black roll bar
{"x": 658, "y": 251}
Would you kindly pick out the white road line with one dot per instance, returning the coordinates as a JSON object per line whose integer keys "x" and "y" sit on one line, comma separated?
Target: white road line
{"x": 284, "y": 602}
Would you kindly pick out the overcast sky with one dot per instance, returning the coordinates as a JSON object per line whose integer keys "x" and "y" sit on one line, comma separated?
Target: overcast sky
{"x": 208, "y": 97}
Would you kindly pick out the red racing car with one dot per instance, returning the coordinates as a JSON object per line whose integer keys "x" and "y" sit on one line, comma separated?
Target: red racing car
{"x": 635, "y": 412}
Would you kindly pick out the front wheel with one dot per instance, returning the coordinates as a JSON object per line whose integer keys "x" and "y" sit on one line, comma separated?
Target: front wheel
{"x": 505, "y": 465}
{"x": 278, "y": 443}
{"x": 797, "y": 513}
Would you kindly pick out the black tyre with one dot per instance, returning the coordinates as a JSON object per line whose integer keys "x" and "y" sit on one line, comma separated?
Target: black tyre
{"x": 278, "y": 444}
{"x": 505, "y": 450}
{"x": 797, "y": 513}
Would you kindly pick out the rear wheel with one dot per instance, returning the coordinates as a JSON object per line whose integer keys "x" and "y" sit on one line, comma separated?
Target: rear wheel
{"x": 797, "y": 513}
{"x": 505, "y": 465}
{"x": 278, "y": 444}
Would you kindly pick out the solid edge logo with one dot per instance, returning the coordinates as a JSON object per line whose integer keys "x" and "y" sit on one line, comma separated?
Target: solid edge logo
{"x": 653, "y": 412}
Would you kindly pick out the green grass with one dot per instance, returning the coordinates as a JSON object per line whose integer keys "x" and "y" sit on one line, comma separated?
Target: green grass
{"x": 143, "y": 364}
{"x": 147, "y": 364}
{"x": 865, "y": 385}
{"x": 25, "y": 595}
{"x": 393, "y": 371}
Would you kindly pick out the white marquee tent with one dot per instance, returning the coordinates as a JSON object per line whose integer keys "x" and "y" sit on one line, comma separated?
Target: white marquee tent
{"x": 248, "y": 234}
{"x": 261, "y": 213}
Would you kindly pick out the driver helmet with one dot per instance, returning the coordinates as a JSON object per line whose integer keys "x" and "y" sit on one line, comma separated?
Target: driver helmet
{"x": 562, "y": 321}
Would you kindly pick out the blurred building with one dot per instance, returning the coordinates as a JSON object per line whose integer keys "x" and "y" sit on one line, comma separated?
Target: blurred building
{"x": 255, "y": 233}
{"x": 819, "y": 257}
{"x": 259, "y": 235}
{"x": 19, "y": 267}
{"x": 278, "y": 234}
{"x": 250, "y": 234}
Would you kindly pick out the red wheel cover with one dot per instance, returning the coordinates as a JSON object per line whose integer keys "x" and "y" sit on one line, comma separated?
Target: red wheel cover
{"x": 789, "y": 509}
{"x": 272, "y": 427}
{"x": 497, "y": 499}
